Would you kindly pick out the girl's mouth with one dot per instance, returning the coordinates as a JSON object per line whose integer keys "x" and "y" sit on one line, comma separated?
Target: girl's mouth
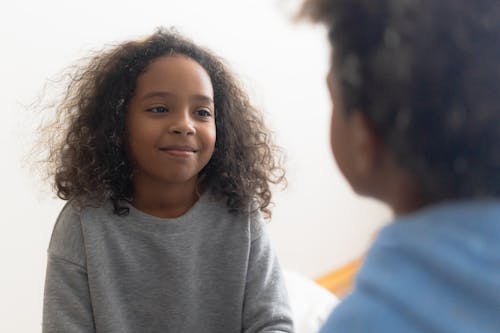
{"x": 179, "y": 151}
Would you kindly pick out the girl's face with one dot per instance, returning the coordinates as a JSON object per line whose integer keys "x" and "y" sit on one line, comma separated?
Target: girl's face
{"x": 171, "y": 122}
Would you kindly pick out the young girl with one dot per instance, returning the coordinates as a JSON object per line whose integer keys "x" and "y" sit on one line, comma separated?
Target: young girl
{"x": 166, "y": 167}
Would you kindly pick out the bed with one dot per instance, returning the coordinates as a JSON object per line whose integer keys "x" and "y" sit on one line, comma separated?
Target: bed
{"x": 313, "y": 300}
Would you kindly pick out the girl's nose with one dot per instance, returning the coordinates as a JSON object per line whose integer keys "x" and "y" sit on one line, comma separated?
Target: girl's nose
{"x": 181, "y": 125}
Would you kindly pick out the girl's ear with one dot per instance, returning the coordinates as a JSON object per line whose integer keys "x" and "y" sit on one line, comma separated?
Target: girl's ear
{"x": 374, "y": 170}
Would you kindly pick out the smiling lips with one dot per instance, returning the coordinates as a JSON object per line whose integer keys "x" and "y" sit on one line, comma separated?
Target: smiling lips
{"x": 179, "y": 151}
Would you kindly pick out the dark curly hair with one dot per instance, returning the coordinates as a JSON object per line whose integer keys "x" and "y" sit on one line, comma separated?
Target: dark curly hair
{"x": 426, "y": 74}
{"x": 88, "y": 155}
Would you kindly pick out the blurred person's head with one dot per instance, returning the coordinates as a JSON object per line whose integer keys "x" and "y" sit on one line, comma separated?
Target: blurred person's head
{"x": 415, "y": 87}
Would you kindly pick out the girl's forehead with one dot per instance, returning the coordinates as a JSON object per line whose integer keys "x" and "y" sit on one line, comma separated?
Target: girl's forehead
{"x": 177, "y": 75}
{"x": 176, "y": 65}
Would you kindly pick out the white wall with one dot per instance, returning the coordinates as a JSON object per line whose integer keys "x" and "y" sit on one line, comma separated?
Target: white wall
{"x": 318, "y": 222}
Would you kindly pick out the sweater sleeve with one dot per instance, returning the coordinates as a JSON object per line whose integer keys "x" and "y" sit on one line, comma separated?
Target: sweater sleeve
{"x": 266, "y": 307}
{"x": 67, "y": 306}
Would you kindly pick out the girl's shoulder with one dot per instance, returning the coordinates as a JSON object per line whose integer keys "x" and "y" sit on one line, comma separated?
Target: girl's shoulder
{"x": 75, "y": 211}
{"x": 67, "y": 240}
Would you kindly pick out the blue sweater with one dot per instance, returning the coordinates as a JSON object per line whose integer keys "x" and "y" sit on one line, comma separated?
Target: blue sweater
{"x": 436, "y": 270}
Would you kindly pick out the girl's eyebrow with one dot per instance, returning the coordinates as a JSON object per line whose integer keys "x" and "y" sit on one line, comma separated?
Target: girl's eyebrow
{"x": 203, "y": 98}
{"x": 197, "y": 97}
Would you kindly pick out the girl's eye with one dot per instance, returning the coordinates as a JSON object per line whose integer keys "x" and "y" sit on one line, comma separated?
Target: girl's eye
{"x": 204, "y": 113}
{"x": 157, "y": 109}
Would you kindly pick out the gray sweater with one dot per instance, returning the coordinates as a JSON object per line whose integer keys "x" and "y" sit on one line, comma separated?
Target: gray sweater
{"x": 206, "y": 271}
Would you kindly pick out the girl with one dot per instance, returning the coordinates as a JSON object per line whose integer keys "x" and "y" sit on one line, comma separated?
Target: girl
{"x": 166, "y": 167}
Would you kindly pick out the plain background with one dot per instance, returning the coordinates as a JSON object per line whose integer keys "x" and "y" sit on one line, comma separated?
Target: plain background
{"x": 318, "y": 223}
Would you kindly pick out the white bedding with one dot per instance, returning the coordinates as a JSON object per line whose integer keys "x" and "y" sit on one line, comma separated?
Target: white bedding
{"x": 311, "y": 304}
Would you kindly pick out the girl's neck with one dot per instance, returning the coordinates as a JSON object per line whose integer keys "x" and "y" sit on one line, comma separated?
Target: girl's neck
{"x": 165, "y": 200}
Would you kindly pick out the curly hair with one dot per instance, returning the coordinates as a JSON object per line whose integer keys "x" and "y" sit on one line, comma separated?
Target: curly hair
{"x": 88, "y": 153}
{"x": 427, "y": 76}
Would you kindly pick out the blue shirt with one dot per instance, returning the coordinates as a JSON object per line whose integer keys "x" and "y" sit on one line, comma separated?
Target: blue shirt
{"x": 436, "y": 270}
